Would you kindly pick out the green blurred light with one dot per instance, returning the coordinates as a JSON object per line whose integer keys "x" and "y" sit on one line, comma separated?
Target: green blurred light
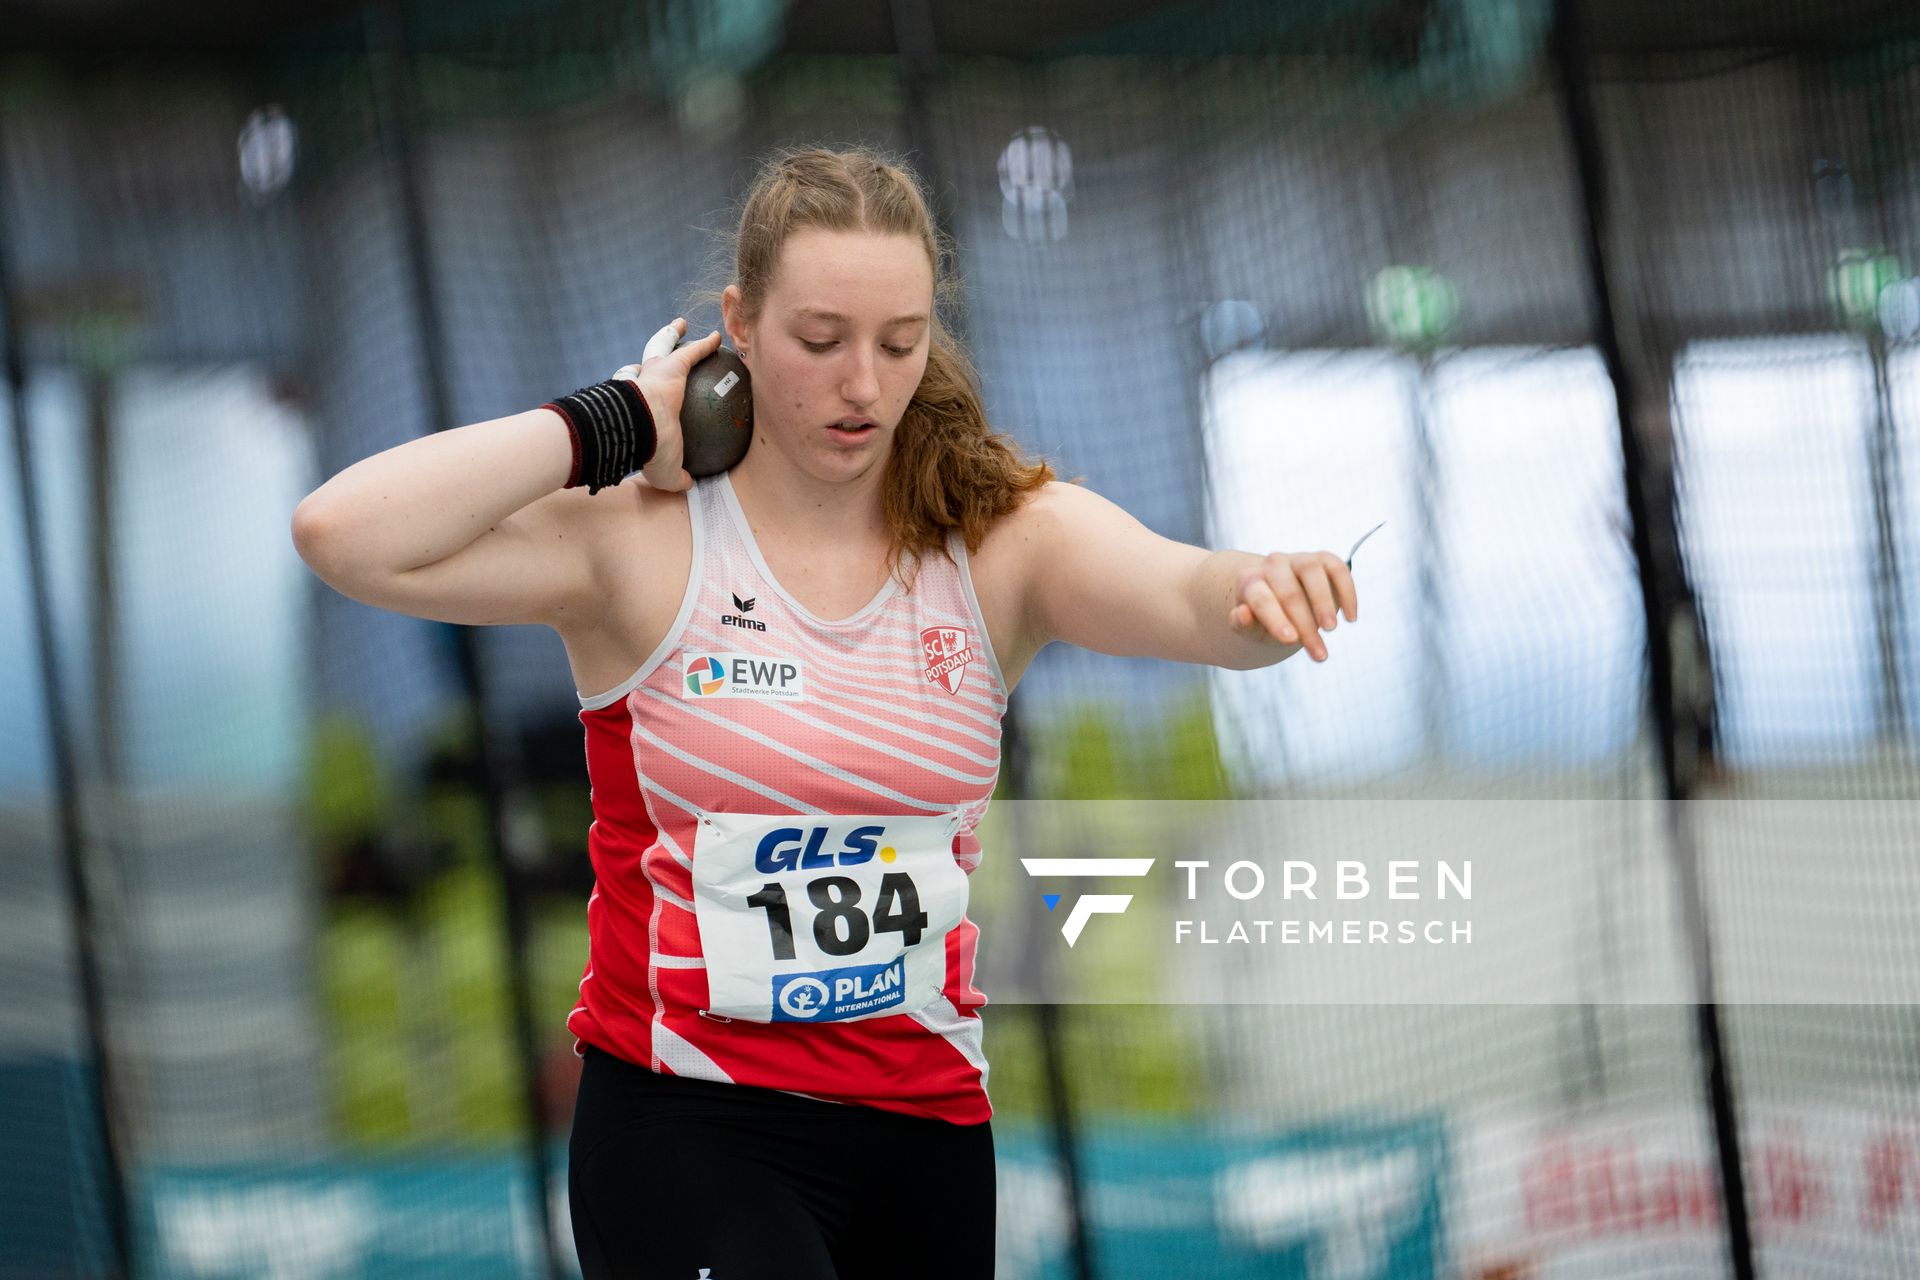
{"x": 1411, "y": 306}
{"x": 1858, "y": 278}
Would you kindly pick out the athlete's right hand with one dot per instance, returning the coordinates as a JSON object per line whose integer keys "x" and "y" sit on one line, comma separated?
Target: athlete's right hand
{"x": 661, "y": 377}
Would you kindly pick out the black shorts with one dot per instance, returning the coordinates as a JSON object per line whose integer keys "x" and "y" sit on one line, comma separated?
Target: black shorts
{"x": 667, "y": 1175}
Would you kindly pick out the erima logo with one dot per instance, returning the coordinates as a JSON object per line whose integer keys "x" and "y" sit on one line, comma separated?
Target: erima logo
{"x": 1091, "y": 904}
{"x": 735, "y": 619}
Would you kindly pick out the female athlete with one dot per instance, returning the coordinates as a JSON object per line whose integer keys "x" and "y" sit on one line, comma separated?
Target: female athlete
{"x": 792, "y": 676}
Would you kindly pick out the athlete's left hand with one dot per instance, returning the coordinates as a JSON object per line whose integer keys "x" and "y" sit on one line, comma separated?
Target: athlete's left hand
{"x": 1293, "y": 594}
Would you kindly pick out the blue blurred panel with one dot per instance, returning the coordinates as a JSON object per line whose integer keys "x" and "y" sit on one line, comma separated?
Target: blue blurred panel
{"x": 1776, "y": 515}
{"x": 54, "y": 415}
{"x": 1362, "y": 1202}
{"x": 52, "y": 1221}
{"x": 346, "y": 1219}
{"x": 212, "y": 595}
{"x": 1283, "y": 478}
{"x": 1539, "y": 620}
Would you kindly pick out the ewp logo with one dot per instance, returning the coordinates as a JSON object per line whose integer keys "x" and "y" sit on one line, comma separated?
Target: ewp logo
{"x": 705, "y": 676}
{"x": 743, "y": 675}
{"x": 1091, "y": 904}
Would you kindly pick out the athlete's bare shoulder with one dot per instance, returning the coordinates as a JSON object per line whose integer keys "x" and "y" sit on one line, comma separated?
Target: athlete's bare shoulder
{"x": 1015, "y": 538}
{"x": 1002, "y": 571}
{"x": 640, "y": 540}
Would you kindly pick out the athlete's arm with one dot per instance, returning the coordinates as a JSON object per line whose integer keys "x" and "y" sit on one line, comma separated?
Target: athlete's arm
{"x": 1100, "y": 579}
{"x": 470, "y": 525}
{"x": 476, "y": 525}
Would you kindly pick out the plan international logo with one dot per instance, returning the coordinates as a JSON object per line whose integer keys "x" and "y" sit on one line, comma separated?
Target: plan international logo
{"x": 1087, "y": 905}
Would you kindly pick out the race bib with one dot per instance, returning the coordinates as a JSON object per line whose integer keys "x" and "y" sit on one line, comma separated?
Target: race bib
{"x": 825, "y": 918}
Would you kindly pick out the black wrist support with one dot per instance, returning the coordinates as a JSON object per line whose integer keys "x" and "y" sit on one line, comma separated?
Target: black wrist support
{"x": 612, "y": 430}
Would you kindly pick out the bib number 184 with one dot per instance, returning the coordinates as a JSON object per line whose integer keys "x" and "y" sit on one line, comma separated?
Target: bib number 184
{"x": 840, "y": 926}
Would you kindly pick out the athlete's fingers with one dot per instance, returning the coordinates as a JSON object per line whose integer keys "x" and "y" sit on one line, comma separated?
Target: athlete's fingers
{"x": 665, "y": 340}
{"x": 1342, "y": 576}
{"x": 1311, "y": 571}
{"x": 694, "y": 352}
{"x": 1279, "y": 573}
{"x": 1257, "y": 594}
{"x": 1299, "y": 611}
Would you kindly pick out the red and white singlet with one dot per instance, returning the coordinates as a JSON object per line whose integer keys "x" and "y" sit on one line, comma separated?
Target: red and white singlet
{"x": 784, "y": 813}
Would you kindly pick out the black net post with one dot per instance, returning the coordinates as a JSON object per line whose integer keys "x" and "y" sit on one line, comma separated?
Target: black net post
{"x": 1062, "y": 1125}
{"x": 72, "y": 838}
{"x": 1672, "y": 628}
{"x": 497, "y": 774}
{"x": 1884, "y": 465}
{"x": 913, "y": 32}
